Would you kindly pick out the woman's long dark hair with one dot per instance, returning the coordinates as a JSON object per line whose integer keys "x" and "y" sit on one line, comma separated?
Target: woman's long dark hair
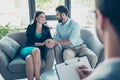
{"x": 37, "y": 13}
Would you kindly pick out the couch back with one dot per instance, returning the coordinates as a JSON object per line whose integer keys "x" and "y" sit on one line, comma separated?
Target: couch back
{"x": 20, "y": 37}
{"x": 93, "y": 43}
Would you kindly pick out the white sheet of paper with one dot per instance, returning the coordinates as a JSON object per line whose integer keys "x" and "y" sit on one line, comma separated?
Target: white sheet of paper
{"x": 67, "y": 70}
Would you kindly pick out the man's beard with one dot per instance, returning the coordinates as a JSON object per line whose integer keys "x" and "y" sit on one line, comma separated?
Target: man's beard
{"x": 60, "y": 20}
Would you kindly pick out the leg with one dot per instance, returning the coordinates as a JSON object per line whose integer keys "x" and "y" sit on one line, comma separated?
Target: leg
{"x": 58, "y": 54}
{"x": 68, "y": 54}
{"x": 29, "y": 67}
{"x": 90, "y": 54}
{"x": 37, "y": 62}
{"x": 49, "y": 60}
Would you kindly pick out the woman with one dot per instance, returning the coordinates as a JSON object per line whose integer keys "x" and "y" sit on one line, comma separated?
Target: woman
{"x": 37, "y": 35}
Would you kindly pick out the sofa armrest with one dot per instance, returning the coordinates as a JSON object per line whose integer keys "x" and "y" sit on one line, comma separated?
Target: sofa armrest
{"x": 49, "y": 59}
{"x": 4, "y": 61}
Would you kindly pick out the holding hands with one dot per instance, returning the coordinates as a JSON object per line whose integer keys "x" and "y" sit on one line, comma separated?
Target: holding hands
{"x": 49, "y": 43}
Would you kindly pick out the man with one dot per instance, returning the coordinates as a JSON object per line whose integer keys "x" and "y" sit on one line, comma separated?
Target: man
{"x": 68, "y": 36}
{"x": 108, "y": 29}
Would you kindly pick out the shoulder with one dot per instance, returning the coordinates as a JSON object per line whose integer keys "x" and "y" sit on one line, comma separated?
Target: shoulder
{"x": 30, "y": 26}
{"x": 58, "y": 25}
{"x": 104, "y": 72}
{"x": 74, "y": 22}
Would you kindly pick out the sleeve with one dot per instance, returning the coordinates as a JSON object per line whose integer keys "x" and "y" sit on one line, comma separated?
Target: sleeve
{"x": 30, "y": 39}
{"x": 75, "y": 35}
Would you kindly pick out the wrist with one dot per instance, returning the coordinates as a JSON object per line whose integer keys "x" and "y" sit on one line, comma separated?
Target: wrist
{"x": 56, "y": 42}
{"x": 42, "y": 44}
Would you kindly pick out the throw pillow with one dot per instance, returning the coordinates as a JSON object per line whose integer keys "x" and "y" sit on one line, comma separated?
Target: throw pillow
{"x": 9, "y": 46}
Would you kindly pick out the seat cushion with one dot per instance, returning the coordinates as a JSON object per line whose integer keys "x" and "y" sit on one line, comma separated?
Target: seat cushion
{"x": 9, "y": 46}
{"x": 18, "y": 65}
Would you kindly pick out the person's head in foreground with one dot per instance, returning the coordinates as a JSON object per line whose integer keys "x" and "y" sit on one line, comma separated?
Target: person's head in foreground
{"x": 108, "y": 31}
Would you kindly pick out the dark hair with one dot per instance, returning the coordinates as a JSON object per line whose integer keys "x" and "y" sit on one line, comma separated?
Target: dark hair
{"x": 62, "y": 9}
{"x": 110, "y": 9}
{"x": 37, "y": 13}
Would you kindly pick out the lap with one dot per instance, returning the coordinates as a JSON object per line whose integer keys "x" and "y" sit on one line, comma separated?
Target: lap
{"x": 26, "y": 51}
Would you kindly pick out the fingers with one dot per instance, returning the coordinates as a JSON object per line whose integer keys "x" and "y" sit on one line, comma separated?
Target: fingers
{"x": 81, "y": 74}
{"x": 83, "y": 67}
{"x": 49, "y": 41}
{"x": 50, "y": 45}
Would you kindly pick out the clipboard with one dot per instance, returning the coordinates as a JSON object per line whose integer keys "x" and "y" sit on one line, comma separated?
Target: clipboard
{"x": 67, "y": 69}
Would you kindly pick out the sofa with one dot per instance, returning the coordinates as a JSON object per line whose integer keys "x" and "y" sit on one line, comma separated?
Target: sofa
{"x": 12, "y": 66}
{"x": 91, "y": 40}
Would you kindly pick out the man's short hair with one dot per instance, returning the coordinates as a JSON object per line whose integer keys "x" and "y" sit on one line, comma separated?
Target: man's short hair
{"x": 110, "y": 9}
{"x": 62, "y": 9}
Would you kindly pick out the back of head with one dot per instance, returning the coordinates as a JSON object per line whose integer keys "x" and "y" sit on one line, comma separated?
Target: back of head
{"x": 62, "y": 9}
{"x": 110, "y": 9}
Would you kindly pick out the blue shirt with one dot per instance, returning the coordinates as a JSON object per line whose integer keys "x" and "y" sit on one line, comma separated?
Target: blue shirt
{"x": 38, "y": 35}
{"x": 69, "y": 31}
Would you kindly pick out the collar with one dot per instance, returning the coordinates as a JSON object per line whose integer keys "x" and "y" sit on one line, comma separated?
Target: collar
{"x": 67, "y": 22}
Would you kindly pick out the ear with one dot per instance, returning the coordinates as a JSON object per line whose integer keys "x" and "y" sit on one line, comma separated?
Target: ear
{"x": 63, "y": 14}
{"x": 101, "y": 20}
{"x": 36, "y": 19}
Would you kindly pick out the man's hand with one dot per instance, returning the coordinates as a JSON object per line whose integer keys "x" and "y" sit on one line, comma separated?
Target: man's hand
{"x": 49, "y": 43}
{"x": 83, "y": 71}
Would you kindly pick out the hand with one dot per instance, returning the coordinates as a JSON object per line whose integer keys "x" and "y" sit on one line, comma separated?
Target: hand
{"x": 83, "y": 71}
{"x": 39, "y": 44}
{"x": 49, "y": 43}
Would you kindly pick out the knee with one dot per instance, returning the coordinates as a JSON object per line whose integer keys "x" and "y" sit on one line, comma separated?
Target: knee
{"x": 36, "y": 52}
{"x": 29, "y": 59}
{"x": 68, "y": 54}
{"x": 93, "y": 57}
{"x": 93, "y": 60}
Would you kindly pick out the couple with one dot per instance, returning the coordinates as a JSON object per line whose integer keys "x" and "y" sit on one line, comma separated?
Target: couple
{"x": 39, "y": 37}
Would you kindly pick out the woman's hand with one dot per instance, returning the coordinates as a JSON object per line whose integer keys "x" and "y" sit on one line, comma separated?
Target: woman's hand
{"x": 83, "y": 71}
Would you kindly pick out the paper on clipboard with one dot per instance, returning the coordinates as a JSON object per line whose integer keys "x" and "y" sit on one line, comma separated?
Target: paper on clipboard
{"x": 67, "y": 70}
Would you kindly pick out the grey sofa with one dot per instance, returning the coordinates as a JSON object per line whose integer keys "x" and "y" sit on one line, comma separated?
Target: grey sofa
{"x": 12, "y": 69}
{"x": 92, "y": 42}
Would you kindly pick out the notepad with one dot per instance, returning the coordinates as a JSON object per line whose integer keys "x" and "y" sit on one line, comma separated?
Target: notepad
{"x": 67, "y": 69}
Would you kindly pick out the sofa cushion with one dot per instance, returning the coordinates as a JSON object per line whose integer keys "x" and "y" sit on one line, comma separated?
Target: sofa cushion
{"x": 9, "y": 46}
{"x": 18, "y": 65}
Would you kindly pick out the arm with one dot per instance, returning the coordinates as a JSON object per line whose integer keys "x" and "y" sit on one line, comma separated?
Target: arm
{"x": 39, "y": 44}
{"x": 75, "y": 35}
{"x": 58, "y": 40}
{"x": 62, "y": 42}
{"x": 30, "y": 38}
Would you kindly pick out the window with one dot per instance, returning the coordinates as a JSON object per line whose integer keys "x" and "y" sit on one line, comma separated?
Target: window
{"x": 14, "y": 12}
{"x": 52, "y": 25}
{"x": 83, "y": 12}
{"x": 48, "y": 6}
